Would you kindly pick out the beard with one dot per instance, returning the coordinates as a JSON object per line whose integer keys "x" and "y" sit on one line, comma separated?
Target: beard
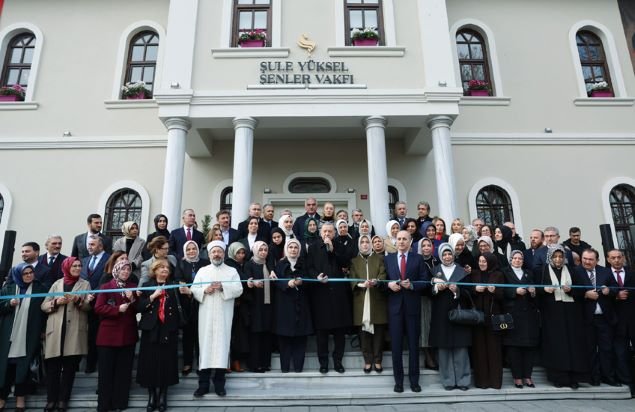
{"x": 217, "y": 262}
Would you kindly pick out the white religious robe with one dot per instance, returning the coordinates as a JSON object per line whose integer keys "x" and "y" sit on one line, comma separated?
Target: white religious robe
{"x": 215, "y": 313}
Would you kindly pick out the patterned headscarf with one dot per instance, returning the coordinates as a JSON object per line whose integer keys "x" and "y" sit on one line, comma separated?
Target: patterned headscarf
{"x": 66, "y": 270}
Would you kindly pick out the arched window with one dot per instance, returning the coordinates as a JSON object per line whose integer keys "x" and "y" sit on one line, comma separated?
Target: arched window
{"x": 226, "y": 198}
{"x": 17, "y": 62}
{"x": 393, "y": 197}
{"x": 622, "y": 200}
{"x": 592, "y": 59}
{"x": 1, "y": 207}
{"x": 142, "y": 59}
{"x": 494, "y": 206}
{"x": 473, "y": 58}
{"x": 122, "y": 206}
{"x": 309, "y": 185}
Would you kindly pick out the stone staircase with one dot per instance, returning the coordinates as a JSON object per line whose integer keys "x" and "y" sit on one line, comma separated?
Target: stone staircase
{"x": 353, "y": 387}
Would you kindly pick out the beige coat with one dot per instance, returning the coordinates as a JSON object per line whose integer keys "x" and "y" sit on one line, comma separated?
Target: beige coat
{"x": 76, "y": 338}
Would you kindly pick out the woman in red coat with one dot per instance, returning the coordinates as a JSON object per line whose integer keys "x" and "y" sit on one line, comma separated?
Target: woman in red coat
{"x": 116, "y": 339}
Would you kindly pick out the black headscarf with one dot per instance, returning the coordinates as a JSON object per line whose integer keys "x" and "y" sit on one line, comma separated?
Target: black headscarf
{"x": 161, "y": 232}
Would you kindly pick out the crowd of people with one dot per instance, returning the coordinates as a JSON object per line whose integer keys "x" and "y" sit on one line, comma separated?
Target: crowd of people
{"x": 474, "y": 298}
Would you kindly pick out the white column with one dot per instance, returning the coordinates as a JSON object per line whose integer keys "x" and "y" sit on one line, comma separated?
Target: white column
{"x": 444, "y": 166}
{"x": 173, "y": 171}
{"x": 377, "y": 172}
{"x": 243, "y": 158}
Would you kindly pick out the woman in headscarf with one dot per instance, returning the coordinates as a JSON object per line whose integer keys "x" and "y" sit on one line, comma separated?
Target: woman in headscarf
{"x": 311, "y": 234}
{"x": 116, "y": 339}
{"x": 159, "y": 249}
{"x": 370, "y": 313}
{"x": 502, "y": 241}
{"x": 276, "y": 247}
{"x": 462, "y": 256}
{"x": 486, "y": 245}
{"x": 293, "y": 321}
{"x": 286, "y": 224}
{"x": 132, "y": 244}
{"x": 236, "y": 258}
{"x": 161, "y": 229}
{"x": 521, "y": 341}
{"x": 187, "y": 268}
{"x": 115, "y": 258}
{"x": 158, "y": 363}
{"x": 486, "y": 344}
{"x": 21, "y": 326}
{"x": 469, "y": 236}
{"x": 66, "y": 338}
{"x": 344, "y": 246}
{"x": 412, "y": 226}
{"x": 425, "y": 248}
{"x": 451, "y": 339}
{"x": 259, "y": 299}
{"x": 365, "y": 228}
{"x": 564, "y": 349}
{"x": 379, "y": 248}
{"x": 390, "y": 241}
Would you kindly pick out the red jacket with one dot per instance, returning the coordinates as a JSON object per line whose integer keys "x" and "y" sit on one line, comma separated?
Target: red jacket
{"x": 115, "y": 328}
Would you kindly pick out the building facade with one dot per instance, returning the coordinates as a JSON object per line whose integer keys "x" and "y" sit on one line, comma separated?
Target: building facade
{"x": 311, "y": 113}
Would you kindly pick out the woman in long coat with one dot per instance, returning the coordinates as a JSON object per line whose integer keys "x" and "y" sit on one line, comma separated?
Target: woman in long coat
{"x": 370, "y": 313}
{"x": 259, "y": 299}
{"x": 236, "y": 258}
{"x": 21, "y": 325}
{"x": 133, "y": 245}
{"x": 292, "y": 315}
{"x": 521, "y": 342}
{"x": 66, "y": 338}
{"x": 487, "y": 352}
{"x": 451, "y": 339}
{"x": 564, "y": 349}
{"x": 160, "y": 316}
{"x": 116, "y": 339}
{"x": 425, "y": 247}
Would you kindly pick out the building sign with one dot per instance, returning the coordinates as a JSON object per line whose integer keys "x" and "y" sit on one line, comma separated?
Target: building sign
{"x": 305, "y": 72}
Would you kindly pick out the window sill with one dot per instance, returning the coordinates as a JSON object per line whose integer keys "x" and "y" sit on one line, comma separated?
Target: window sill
{"x": 366, "y": 51}
{"x": 131, "y": 104}
{"x": 485, "y": 101}
{"x": 246, "y": 53}
{"x": 19, "y": 105}
{"x": 604, "y": 101}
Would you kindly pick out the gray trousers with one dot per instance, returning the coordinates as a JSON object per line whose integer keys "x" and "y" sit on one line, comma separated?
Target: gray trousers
{"x": 454, "y": 367}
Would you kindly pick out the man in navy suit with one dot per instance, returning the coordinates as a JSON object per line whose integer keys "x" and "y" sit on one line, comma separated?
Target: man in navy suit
{"x": 230, "y": 235}
{"x": 625, "y": 313}
{"x": 93, "y": 267}
{"x": 30, "y": 253}
{"x": 599, "y": 315}
{"x": 179, "y": 236}
{"x": 80, "y": 243}
{"x": 53, "y": 258}
{"x": 310, "y": 207}
{"x": 401, "y": 213}
{"x": 408, "y": 277}
{"x": 536, "y": 237}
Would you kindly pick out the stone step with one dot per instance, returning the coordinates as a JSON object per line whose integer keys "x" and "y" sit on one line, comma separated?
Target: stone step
{"x": 351, "y": 388}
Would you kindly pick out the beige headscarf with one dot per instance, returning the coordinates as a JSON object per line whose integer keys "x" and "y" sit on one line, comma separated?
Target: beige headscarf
{"x": 126, "y": 229}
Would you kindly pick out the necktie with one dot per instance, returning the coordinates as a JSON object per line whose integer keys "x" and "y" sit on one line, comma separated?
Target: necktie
{"x": 162, "y": 307}
{"x": 620, "y": 282}
{"x": 592, "y": 277}
{"x": 93, "y": 263}
{"x": 402, "y": 267}
{"x": 51, "y": 260}
{"x": 189, "y": 234}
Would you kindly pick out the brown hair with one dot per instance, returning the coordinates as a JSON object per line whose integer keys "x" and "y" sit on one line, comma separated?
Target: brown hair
{"x": 112, "y": 260}
{"x": 157, "y": 243}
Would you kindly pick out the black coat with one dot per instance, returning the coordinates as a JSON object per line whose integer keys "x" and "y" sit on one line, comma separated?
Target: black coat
{"x": 35, "y": 327}
{"x": 345, "y": 248}
{"x": 625, "y": 309}
{"x": 260, "y": 314}
{"x": 523, "y": 309}
{"x": 292, "y": 311}
{"x": 330, "y": 302}
{"x": 443, "y": 333}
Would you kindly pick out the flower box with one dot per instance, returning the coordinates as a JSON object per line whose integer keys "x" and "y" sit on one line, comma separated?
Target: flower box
{"x": 602, "y": 93}
{"x": 139, "y": 96}
{"x": 365, "y": 42}
{"x": 10, "y": 98}
{"x": 478, "y": 92}
{"x": 252, "y": 43}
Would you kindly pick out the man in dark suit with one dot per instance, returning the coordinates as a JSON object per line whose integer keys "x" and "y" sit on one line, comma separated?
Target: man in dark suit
{"x": 423, "y": 216}
{"x": 536, "y": 237}
{"x": 599, "y": 315}
{"x": 264, "y": 229}
{"x": 267, "y": 219}
{"x": 408, "y": 276}
{"x": 93, "y": 267}
{"x": 53, "y": 258}
{"x": 552, "y": 237}
{"x": 179, "y": 236}
{"x": 80, "y": 243}
{"x": 625, "y": 312}
{"x": 401, "y": 213}
{"x": 230, "y": 235}
{"x": 30, "y": 253}
{"x": 310, "y": 207}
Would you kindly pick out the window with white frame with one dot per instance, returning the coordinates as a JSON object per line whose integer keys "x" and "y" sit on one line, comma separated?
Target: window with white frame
{"x": 494, "y": 206}
{"x": 622, "y": 201}
{"x": 17, "y": 61}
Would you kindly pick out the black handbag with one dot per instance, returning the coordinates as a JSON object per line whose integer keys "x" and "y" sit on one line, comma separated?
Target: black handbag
{"x": 502, "y": 322}
{"x": 467, "y": 317}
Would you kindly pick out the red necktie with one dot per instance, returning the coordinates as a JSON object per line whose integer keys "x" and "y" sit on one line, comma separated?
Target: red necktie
{"x": 189, "y": 234}
{"x": 162, "y": 307}
{"x": 620, "y": 282}
{"x": 402, "y": 267}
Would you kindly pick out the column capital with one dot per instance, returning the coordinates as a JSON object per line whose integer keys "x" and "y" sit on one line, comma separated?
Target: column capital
{"x": 177, "y": 123}
{"x": 440, "y": 121}
{"x": 375, "y": 121}
{"x": 244, "y": 122}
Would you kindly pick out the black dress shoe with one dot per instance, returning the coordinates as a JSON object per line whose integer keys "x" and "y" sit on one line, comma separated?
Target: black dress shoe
{"x": 220, "y": 392}
{"x": 595, "y": 382}
{"x": 368, "y": 369}
{"x": 530, "y": 385}
{"x": 339, "y": 368}
{"x": 398, "y": 387}
{"x": 575, "y": 385}
{"x": 463, "y": 388}
{"x": 558, "y": 385}
{"x": 200, "y": 392}
{"x": 449, "y": 388}
{"x": 50, "y": 407}
{"x": 518, "y": 385}
{"x": 612, "y": 382}
{"x": 379, "y": 368}
{"x": 186, "y": 370}
{"x": 88, "y": 371}
{"x": 324, "y": 369}
{"x": 415, "y": 387}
